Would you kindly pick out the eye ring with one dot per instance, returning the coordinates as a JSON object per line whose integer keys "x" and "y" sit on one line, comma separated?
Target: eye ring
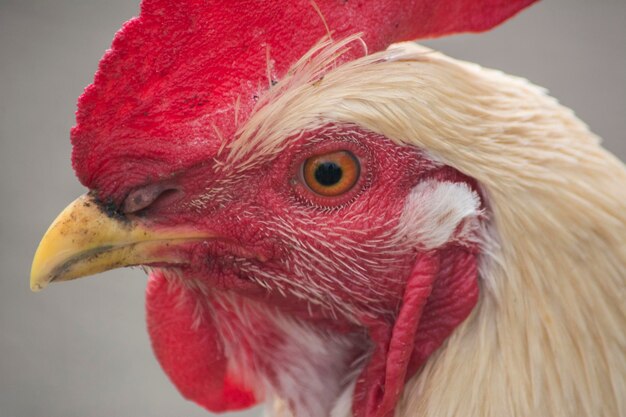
{"x": 331, "y": 174}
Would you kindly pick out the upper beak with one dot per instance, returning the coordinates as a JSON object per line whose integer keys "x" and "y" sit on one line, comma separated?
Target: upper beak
{"x": 85, "y": 240}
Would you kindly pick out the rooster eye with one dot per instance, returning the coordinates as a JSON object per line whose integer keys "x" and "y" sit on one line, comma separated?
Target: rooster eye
{"x": 331, "y": 174}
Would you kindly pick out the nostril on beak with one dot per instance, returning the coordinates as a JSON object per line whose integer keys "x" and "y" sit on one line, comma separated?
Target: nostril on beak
{"x": 146, "y": 196}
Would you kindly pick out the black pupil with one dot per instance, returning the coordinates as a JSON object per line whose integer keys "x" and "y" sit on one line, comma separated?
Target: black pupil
{"x": 328, "y": 173}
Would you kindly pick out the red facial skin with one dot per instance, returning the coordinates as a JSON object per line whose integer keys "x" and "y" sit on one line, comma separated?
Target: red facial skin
{"x": 306, "y": 245}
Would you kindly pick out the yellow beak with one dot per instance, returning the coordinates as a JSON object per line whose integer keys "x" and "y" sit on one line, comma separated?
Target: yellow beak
{"x": 84, "y": 240}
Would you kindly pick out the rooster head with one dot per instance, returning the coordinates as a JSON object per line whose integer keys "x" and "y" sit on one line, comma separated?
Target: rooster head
{"x": 293, "y": 251}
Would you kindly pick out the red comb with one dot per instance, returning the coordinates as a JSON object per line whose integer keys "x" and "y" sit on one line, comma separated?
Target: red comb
{"x": 173, "y": 75}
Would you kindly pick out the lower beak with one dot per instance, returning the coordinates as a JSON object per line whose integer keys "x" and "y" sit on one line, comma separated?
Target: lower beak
{"x": 85, "y": 239}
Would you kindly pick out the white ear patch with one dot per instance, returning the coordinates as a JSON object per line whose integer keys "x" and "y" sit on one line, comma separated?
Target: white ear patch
{"x": 436, "y": 213}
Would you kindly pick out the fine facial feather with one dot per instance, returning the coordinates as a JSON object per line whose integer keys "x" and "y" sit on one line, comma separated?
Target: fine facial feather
{"x": 547, "y": 336}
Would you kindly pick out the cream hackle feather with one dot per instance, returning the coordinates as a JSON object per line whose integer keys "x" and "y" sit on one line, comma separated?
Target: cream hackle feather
{"x": 548, "y": 337}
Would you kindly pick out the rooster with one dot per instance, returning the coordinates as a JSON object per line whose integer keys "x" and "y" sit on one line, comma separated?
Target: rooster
{"x": 341, "y": 227}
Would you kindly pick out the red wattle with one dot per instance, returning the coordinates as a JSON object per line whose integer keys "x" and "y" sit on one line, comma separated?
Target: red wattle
{"x": 440, "y": 293}
{"x": 189, "y": 349}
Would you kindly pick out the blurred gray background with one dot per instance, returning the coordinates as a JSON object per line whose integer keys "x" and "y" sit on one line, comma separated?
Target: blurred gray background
{"x": 81, "y": 349}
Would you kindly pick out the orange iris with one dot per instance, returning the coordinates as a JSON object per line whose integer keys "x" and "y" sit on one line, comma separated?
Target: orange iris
{"x": 331, "y": 174}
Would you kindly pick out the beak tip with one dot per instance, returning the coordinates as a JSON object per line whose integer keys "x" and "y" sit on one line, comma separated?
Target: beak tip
{"x": 38, "y": 279}
{"x": 36, "y": 286}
